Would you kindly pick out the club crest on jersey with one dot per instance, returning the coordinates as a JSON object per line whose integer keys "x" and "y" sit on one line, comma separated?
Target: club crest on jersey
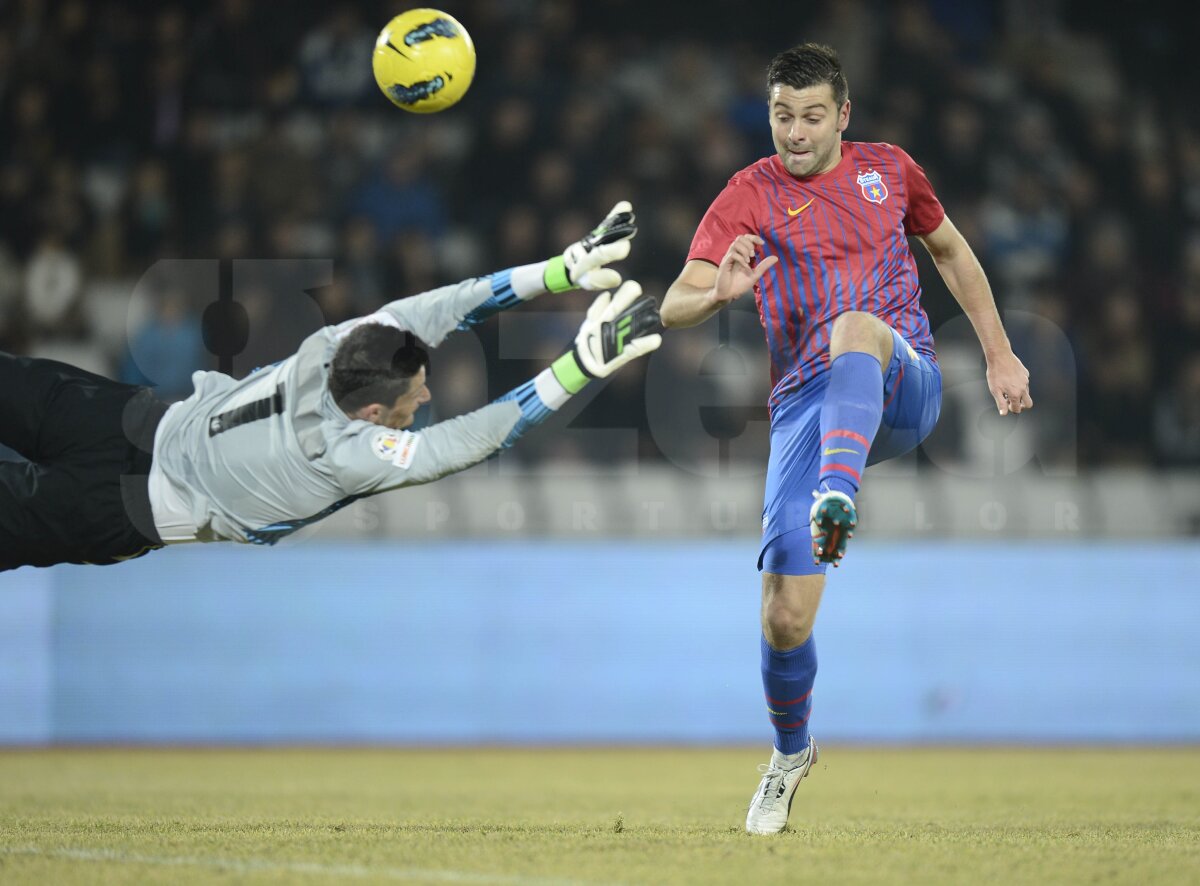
{"x": 872, "y": 186}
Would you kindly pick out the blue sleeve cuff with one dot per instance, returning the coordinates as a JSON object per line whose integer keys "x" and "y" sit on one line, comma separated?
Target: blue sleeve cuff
{"x": 503, "y": 297}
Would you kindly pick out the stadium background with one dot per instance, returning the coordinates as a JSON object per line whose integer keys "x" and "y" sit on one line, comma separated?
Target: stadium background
{"x": 1031, "y": 580}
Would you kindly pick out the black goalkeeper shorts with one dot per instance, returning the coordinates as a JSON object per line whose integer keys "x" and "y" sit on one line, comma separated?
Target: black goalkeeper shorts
{"x": 79, "y": 495}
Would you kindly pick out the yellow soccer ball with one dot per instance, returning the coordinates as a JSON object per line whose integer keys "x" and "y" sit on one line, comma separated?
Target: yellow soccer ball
{"x": 424, "y": 60}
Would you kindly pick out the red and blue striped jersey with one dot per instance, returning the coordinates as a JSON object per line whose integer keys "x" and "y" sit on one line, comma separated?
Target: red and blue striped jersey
{"x": 842, "y": 241}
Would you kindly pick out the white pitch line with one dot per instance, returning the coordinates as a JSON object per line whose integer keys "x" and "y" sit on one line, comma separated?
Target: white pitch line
{"x": 253, "y": 865}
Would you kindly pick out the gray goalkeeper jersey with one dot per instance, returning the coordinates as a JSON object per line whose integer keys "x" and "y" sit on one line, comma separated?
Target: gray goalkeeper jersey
{"x": 256, "y": 459}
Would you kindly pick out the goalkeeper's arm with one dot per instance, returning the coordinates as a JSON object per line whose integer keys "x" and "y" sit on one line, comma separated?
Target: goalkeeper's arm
{"x": 433, "y": 315}
{"x": 582, "y": 265}
{"x": 368, "y": 459}
{"x": 619, "y": 327}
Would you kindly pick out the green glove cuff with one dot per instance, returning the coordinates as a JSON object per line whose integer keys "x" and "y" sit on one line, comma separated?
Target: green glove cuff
{"x": 555, "y": 276}
{"x": 570, "y": 376}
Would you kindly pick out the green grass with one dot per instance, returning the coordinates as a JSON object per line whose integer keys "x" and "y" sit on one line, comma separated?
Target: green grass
{"x": 546, "y": 817}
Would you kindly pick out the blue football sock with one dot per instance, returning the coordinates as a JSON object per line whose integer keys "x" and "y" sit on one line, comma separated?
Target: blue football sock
{"x": 787, "y": 683}
{"x": 850, "y": 417}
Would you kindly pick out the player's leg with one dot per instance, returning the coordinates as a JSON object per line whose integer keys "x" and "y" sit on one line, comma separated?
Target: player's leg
{"x": 27, "y": 387}
{"x": 791, "y": 594}
{"x": 36, "y": 503}
{"x": 52, "y": 410}
{"x": 80, "y": 495}
{"x": 18, "y": 482}
{"x": 912, "y": 401}
{"x": 789, "y": 653}
{"x": 789, "y": 670}
{"x": 860, "y": 349}
{"x": 82, "y": 511}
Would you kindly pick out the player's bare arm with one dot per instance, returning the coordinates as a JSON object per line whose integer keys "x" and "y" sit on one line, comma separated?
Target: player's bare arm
{"x": 702, "y": 289}
{"x": 1007, "y": 377}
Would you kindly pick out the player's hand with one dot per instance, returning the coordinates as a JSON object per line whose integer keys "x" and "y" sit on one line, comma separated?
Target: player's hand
{"x": 1008, "y": 380}
{"x": 619, "y": 327}
{"x": 608, "y": 242}
{"x": 737, "y": 272}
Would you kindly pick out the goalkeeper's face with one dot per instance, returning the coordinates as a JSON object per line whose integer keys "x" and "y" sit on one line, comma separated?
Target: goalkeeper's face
{"x": 405, "y": 408}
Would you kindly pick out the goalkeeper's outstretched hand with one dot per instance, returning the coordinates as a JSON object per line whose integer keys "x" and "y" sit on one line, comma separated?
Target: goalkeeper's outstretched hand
{"x": 619, "y": 327}
{"x": 608, "y": 242}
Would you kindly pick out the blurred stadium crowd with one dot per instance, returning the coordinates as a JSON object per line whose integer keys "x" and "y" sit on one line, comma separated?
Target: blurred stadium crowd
{"x": 236, "y": 130}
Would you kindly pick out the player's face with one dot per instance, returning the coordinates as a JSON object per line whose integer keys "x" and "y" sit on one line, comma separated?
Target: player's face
{"x": 807, "y": 128}
{"x": 407, "y": 404}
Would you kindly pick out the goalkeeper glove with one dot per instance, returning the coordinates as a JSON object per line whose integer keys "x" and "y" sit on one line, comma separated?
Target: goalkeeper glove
{"x": 619, "y": 327}
{"x": 582, "y": 264}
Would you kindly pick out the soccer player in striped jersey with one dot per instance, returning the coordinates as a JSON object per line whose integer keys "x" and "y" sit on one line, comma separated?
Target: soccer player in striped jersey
{"x": 819, "y": 231}
{"x": 111, "y": 473}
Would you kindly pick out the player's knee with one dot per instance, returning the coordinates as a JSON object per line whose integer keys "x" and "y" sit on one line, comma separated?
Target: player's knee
{"x": 858, "y": 331}
{"x": 786, "y": 626}
{"x": 856, "y": 324}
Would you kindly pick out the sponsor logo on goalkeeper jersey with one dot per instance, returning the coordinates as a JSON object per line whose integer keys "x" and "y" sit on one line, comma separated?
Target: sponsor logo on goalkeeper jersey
{"x": 384, "y": 444}
{"x": 408, "y": 449}
{"x": 398, "y": 447}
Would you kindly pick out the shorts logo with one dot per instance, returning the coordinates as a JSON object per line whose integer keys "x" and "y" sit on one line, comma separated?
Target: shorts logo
{"x": 398, "y": 447}
{"x": 873, "y": 186}
{"x": 907, "y": 347}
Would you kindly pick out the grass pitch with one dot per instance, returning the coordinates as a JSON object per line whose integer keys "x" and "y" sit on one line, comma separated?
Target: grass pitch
{"x": 550, "y": 817}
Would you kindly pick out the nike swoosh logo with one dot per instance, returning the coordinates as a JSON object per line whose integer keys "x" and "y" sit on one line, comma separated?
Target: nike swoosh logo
{"x": 795, "y": 212}
{"x": 836, "y": 451}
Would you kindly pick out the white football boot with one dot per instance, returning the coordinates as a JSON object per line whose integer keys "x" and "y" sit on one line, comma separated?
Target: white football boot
{"x": 772, "y": 801}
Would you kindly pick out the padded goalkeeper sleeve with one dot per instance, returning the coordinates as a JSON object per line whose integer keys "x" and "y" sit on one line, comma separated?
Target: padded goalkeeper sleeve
{"x": 539, "y": 398}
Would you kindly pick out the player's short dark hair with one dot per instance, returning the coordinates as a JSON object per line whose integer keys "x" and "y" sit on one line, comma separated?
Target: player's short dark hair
{"x": 807, "y": 65}
{"x": 375, "y": 363}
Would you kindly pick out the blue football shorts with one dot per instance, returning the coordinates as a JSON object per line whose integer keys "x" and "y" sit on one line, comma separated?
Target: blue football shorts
{"x": 912, "y": 400}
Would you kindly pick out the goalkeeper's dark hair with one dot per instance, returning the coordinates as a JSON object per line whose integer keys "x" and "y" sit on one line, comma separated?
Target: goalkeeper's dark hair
{"x": 375, "y": 363}
{"x": 807, "y": 65}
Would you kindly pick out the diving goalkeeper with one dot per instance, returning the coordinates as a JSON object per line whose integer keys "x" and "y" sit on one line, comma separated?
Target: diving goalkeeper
{"x": 112, "y": 473}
